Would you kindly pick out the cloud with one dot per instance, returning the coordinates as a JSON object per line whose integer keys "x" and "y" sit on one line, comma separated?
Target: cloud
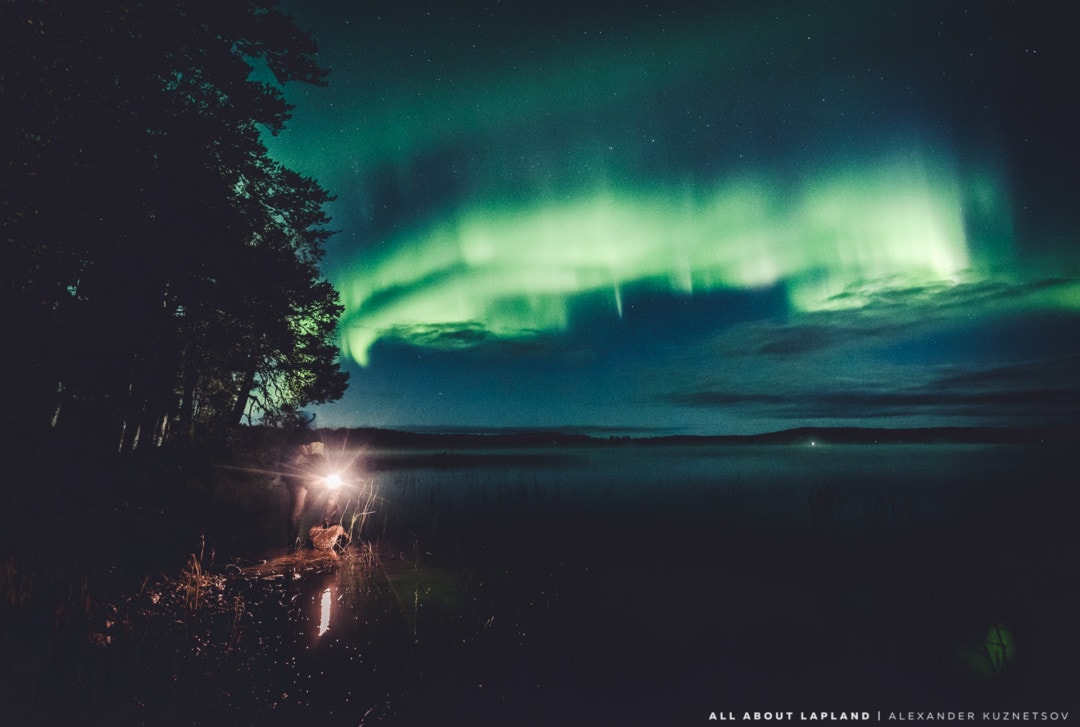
{"x": 989, "y": 352}
{"x": 1045, "y": 389}
{"x": 989, "y": 404}
{"x": 799, "y": 340}
{"x": 1058, "y": 372}
{"x": 442, "y": 337}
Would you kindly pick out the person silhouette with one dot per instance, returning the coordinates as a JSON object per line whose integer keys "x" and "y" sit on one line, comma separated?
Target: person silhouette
{"x": 304, "y": 461}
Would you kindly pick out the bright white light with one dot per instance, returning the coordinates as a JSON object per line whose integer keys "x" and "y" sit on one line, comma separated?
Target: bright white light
{"x": 333, "y": 481}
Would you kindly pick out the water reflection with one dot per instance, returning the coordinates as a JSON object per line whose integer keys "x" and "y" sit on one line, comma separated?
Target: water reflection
{"x": 324, "y": 612}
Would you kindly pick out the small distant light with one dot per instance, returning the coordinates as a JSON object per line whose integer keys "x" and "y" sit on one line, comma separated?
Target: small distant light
{"x": 813, "y": 443}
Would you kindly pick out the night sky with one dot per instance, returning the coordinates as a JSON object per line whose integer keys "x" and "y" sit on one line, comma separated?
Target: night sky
{"x": 708, "y": 218}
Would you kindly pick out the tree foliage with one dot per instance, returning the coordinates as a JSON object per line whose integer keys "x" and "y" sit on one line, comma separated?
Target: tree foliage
{"x": 159, "y": 271}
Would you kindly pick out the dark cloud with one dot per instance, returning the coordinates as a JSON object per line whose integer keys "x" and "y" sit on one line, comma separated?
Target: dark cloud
{"x": 1042, "y": 389}
{"x": 442, "y": 337}
{"x": 1021, "y": 376}
{"x": 809, "y": 335}
{"x": 797, "y": 340}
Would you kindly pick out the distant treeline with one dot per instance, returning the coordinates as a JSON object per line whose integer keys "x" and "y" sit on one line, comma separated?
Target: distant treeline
{"x": 158, "y": 271}
{"x": 391, "y": 439}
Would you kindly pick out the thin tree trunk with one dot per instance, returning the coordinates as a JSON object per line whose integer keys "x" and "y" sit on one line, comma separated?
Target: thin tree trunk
{"x": 242, "y": 397}
{"x": 187, "y": 405}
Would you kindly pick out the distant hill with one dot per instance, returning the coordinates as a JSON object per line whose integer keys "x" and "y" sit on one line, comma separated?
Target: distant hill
{"x": 928, "y": 435}
{"x": 395, "y": 439}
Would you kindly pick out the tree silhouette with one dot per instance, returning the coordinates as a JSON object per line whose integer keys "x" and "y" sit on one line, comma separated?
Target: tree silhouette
{"x": 159, "y": 271}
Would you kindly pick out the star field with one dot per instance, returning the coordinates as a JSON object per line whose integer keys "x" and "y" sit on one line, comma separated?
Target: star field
{"x": 703, "y": 217}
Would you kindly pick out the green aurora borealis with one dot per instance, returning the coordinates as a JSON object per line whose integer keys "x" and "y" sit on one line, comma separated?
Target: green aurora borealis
{"x": 840, "y": 183}
{"x": 511, "y": 271}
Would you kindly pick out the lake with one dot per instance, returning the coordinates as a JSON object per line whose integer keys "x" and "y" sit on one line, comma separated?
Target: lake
{"x": 635, "y": 584}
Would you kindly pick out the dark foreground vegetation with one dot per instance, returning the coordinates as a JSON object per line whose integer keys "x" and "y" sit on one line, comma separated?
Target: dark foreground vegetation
{"x": 159, "y": 274}
{"x": 155, "y": 590}
{"x": 159, "y": 283}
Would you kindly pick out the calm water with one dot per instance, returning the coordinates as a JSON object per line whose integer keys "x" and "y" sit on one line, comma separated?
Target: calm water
{"x": 577, "y": 585}
{"x": 644, "y": 585}
{"x": 844, "y": 486}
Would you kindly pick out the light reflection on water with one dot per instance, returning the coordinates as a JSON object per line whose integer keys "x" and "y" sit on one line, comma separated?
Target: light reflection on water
{"x": 331, "y": 604}
{"x": 324, "y": 612}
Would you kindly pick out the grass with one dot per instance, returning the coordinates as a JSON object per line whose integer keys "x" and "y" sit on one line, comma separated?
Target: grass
{"x": 16, "y": 587}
